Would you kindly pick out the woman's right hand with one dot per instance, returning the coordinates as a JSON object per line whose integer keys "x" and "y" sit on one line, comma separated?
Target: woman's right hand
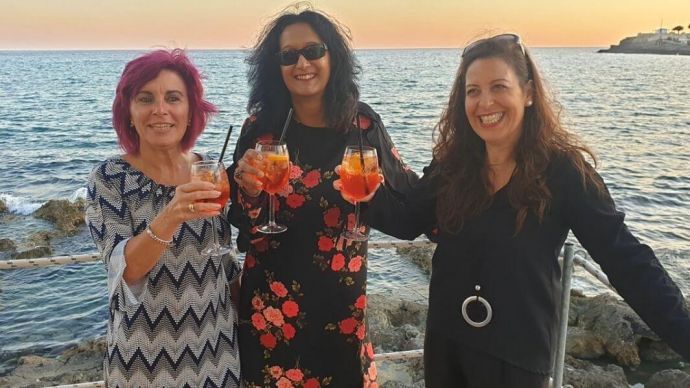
{"x": 247, "y": 176}
{"x": 187, "y": 203}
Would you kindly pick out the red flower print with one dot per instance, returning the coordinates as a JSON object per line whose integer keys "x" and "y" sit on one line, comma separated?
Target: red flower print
{"x": 361, "y": 331}
{"x": 312, "y": 383}
{"x": 279, "y": 289}
{"x": 258, "y": 321}
{"x": 364, "y": 122}
{"x": 257, "y": 303}
{"x": 288, "y": 331}
{"x": 295, "y": 200}
{"x": 325, "y": 244}
{"x": 355, "y": 264}
{"x": 268, "y": 340}
{"x": 283, "y": 382}
{"x": 294, "y": 374}
{"x": 261, "y": 244}
{"x": 275, "y": 371}
{"x": 249, "y": 262}
{"x": 312, "y": 178}
{"x": 361, "y": 302}
{"x": 295, "y": 172}
{"x": 347, "y": 325}
{"x": 338, "y": 262}
{"x": 370, "y": 351}
{"x": 332, "y": 217}
{"x": 290, "y": 309}
{"x": 395, "y": 153}
{"x": 274, "y": 316}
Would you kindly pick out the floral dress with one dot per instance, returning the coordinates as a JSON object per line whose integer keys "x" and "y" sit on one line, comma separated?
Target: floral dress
{"x": 303, "y": 298}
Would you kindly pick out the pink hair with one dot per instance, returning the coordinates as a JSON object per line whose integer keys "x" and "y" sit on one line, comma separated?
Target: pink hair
{"x": 142, "y": 70}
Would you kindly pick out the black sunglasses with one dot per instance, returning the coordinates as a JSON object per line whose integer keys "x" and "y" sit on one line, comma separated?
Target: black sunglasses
{"x": 310, "y": 53}
{"x": 510, "y": 38}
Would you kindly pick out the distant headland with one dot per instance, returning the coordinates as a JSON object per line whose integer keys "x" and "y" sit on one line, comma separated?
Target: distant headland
{"x": 661, "y": 41}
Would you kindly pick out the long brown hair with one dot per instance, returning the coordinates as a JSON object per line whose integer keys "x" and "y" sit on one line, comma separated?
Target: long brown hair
{"x": 465, "y": 190}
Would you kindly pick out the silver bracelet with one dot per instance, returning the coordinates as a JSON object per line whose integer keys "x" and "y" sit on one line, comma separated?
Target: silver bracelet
{"x": 156, "y": 238}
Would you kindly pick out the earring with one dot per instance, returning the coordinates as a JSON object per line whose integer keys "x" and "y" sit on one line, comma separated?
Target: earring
{"x": 131, "y": 124}
{"x": 529, "y": 103}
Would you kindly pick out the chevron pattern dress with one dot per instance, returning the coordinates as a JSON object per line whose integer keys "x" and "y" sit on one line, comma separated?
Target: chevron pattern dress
{"x": 178, "y": 326}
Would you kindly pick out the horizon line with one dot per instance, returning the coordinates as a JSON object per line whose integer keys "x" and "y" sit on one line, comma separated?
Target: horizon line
{"x": 248, "y": 49}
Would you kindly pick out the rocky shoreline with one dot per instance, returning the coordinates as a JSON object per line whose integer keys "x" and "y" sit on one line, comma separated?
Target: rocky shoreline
{"x": 632, "y": 46}
{"x": 608, "y": 344}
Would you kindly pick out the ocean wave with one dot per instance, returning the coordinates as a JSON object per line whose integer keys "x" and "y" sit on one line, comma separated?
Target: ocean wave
{"x": 19, "y": 205}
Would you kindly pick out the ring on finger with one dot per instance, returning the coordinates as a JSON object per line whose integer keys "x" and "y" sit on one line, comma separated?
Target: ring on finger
{"x": 191, "y": 207}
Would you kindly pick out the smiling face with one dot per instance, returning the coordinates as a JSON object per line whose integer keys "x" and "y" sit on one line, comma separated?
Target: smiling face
{"x": 495, "y": 102}
{"x": 160, "y": 112}
{"x": 306, "y": 79}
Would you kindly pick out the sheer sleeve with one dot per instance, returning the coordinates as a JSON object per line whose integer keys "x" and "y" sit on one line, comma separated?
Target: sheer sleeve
{"x": 245, "y": 211}
{"x": 109, "y": 221}
{"x": 631, "y": 266}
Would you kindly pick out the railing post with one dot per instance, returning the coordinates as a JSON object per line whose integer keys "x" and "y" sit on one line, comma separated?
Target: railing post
{"x": 566, "y": 278}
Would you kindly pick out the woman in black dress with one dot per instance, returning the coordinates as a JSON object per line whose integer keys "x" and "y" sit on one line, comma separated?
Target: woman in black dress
{"x": 303, "y": 297}
{"x": 506, "y": 185}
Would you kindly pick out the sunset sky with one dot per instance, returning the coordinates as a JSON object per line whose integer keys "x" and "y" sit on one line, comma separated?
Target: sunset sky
{"x": 125, "y": 24}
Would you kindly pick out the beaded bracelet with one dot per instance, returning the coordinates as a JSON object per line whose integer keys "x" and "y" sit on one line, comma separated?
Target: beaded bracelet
{"x": 156, "y": 238}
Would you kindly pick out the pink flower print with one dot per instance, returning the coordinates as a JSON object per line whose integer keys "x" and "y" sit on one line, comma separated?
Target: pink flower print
{"x": 361, "y": 332}
{"x": 364, "y": 122}
{"x": 370, "y": 350}
{"x": 332, "y": 217}
{"x": 295, "y": 172}
{"x": 274, "y": 316}
{"x": 294, "y": 374}
{"x": 279, "y": 289}
{"x": 257, "y": 303}
{"x": 338, "y": 262}
{"x": 355, "y": 264}
{"x": 258, "y": 321}
{"x": 283, "y": 382}
{"x": 395, "y": 153}
{"x": 275, "y": 371}
{"x": 312, "y": 178}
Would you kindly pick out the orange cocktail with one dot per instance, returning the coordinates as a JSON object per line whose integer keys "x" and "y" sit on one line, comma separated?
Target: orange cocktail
{"x": 220, "y": 179}
{"x": 276, "y": 169}
{"x": 359, "y": 180}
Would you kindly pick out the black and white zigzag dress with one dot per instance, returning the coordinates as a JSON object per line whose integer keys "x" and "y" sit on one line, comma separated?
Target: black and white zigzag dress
{"x": 178, "y": 327}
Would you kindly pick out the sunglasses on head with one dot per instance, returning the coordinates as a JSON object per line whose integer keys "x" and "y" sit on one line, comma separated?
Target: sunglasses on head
{"x": 509, "y": 38}
{"x": 310, "y": 53}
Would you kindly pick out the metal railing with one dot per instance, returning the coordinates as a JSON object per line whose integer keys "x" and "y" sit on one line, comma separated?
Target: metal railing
{"x": 568, "y": 262}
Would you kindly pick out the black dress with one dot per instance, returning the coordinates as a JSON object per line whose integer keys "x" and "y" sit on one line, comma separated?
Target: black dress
{"x": 303, "y": 298}
{"x": 520, "y": 274}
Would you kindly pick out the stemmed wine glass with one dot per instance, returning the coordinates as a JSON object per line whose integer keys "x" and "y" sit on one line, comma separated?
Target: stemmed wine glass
{"x": 359, "y": 174}
{"x": 276, "y": 168}
{"x": 214, "y": 171}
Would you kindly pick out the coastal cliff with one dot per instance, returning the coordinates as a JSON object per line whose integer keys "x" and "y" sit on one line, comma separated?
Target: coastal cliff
{"x": 652, "y": 43}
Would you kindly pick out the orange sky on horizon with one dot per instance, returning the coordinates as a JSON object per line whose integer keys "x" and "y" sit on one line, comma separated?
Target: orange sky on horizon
{"x": 111, "y": 24}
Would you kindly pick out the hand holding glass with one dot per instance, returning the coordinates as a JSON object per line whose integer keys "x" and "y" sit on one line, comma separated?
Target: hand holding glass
{"x": 214, "y": 171}
{"x": 359, "y": 176}
{"x": 276, "y": 168}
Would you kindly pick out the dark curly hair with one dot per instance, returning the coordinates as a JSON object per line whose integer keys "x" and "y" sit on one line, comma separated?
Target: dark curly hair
{"x": 269, "y": 99}
{"x": 465, "y": 189}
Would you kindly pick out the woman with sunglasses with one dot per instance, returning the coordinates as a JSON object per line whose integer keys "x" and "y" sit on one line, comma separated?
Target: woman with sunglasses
{"x": 303, "y": 293}
{"x": 506, "y": 184}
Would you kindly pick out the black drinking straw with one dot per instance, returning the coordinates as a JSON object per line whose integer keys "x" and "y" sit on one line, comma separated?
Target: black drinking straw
{"x": 285, "y": 126}
{"x": 361, "y": 155}
{"x": 225, "y": 145}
